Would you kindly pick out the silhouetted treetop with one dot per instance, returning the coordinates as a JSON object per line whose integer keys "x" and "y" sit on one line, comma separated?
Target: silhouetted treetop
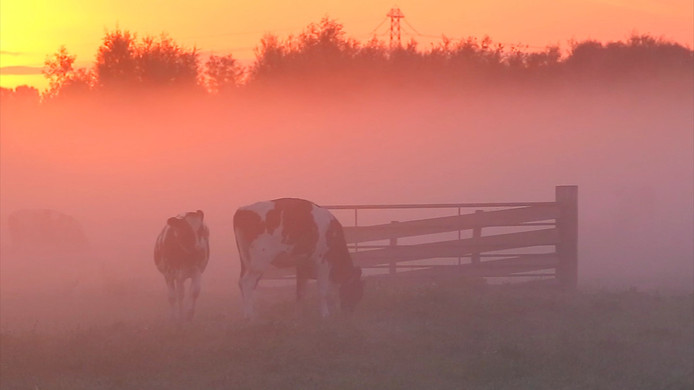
{"x": 222, "y": 74}
{"x": 322, "y": 55}
{"x": 22, "y": 95}
{"x": 116, "y": 60}
{"x": 63, "y": 79}
{"x": 124, "y": 62}
{"x": 162, "y": 62}
{"x": 640, "y": 55}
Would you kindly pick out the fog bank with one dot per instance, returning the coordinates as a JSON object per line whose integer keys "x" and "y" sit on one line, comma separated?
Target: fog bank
{"x": 121, "y": 168}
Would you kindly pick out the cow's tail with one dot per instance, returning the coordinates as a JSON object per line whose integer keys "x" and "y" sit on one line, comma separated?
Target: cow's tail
{"x": 159, "y": 260}
{"x": 238, "y": 235}
{"x": 241, "y": 227}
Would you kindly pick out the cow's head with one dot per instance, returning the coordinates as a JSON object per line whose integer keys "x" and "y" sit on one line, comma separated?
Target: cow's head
{"x": 352, "y": 291}
{"x": 190, "y": 231}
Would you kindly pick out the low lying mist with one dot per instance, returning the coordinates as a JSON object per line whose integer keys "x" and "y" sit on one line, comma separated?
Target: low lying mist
{"x": 122, "y": 166}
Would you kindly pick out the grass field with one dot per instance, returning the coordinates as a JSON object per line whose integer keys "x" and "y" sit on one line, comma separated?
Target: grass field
{"x": 449, "y": 334}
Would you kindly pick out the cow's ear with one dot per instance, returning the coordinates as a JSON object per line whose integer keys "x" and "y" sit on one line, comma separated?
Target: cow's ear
{"x": 201, "y": 214}
{"x": 172, "y": 221}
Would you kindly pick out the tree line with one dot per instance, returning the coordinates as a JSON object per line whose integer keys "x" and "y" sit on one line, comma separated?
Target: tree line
{"x": 322, "y": 56}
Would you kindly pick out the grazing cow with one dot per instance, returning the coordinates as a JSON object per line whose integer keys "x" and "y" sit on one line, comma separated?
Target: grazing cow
{"x": 181, "y": 252}
{"x": 45, "y": 231}
{"x": 295, "y": 233}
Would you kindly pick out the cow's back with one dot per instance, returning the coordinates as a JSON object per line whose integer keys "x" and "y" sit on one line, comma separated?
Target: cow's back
{"x": 293, "y": 226}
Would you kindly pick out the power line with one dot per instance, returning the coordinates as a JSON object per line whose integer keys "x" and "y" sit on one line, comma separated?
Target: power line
{"x": 379, "y": 25}
{"x": 440, "y": 36}
{"x": 413, "y": 29}
{"x": 244, "y": 33}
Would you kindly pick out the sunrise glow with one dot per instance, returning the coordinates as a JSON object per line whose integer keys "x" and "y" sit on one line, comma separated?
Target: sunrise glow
{"x": 261, "y": 194}
{"x": 31, "y": 30}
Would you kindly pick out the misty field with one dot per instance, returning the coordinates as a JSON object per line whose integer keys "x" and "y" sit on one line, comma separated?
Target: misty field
{"x": 451, "y": 333}
{"x": 122, "y": 165}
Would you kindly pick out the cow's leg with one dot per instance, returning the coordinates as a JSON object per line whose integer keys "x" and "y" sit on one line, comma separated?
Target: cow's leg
{"x": 195, "y": 286}
{"x": 324, "y": 289}
{"x": 300, "y": 288}
{"x": 180, "y": 294}
{"x": 300, "y": 294}
{"x": 301, "y": 280}
{"x": 247, "y": 283}
{"x": 171, "y": 285}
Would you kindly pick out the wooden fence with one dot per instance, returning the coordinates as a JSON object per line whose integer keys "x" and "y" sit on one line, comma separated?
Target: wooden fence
{"x": 501, "y": 239}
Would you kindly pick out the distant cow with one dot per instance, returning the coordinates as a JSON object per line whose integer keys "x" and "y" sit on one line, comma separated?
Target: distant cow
{"x": 295, "y": 233}
{"x": 45, "y": 231}
{"x": 181, "y": 252}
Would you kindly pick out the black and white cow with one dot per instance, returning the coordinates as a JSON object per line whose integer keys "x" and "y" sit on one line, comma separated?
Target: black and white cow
{"x": 296, "y": 233}
{"x": 181, "y": 252}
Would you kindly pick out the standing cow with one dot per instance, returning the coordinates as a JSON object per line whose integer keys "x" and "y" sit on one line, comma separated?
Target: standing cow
{"x": 295, "y": 233}
{"x": 181, "y": 252}
{"x": 45, "y": 231}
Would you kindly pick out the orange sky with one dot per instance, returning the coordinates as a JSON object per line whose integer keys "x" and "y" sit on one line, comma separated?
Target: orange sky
{"x": 31, "y": 29}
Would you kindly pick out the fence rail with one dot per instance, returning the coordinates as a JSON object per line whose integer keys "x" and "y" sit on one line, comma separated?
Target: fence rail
{"x": 543, "y": 239}
{"x": 508, "y": 217}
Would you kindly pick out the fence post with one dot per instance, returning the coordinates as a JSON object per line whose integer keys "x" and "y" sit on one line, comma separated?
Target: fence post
{"x": 460, "y": 258}
{"x": 356, "y": 225}
{"x": 392, "y": 265}
{"x": 567, "y": 227}
{"x": 476, "y": 235}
